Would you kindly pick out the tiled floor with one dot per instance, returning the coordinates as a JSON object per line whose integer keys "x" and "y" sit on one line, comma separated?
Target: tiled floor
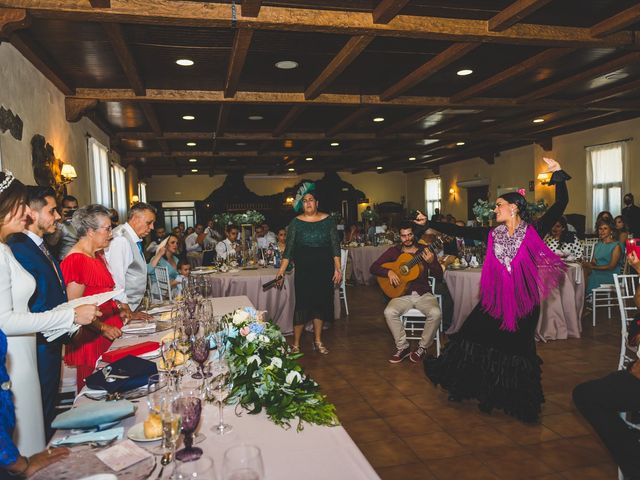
{"x": 408, "y": 430}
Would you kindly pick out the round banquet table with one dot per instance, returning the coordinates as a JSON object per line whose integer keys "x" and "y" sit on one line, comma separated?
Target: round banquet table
{"x": 279, "y": 304}
{"x": 361, "y": 260}
{"x": 560, "y": 312}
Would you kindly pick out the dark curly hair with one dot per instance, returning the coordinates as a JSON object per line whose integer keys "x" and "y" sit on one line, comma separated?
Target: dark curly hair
{"x": 566, "y": 237}
{"x": 519, "y": 201}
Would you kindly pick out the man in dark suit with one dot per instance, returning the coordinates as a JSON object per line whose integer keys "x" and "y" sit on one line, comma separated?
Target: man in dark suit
{"x": 31, "y": 251}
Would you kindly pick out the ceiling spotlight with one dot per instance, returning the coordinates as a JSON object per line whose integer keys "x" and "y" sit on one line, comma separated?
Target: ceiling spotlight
{"x": 255, "y": 118}
{"x": 378, "y": 168}
{"x": 334, "y": 144}
{"x": 194, "y": 170}
{"x": 191, "y": 144}
{"x": 411, "y": 159}
{"x": 616, "y": 76}
{"x": 488, "y": 120}
{"x": 292, "y": 169}
{"x": 538, "y": 120}
{"x": 286, "y": 65}
{"x": 233, "y": 159}
{"x": 378, "y": 119}
{"x": 241, "y": 144}
{"x": 459, "y": 144}
{"x": 464, "y": 72}
{"x": 184, "y": 62}
{"x": 188, "y": 117}
{"x": 308, "y": 159}
{"x": 193, "y": 160}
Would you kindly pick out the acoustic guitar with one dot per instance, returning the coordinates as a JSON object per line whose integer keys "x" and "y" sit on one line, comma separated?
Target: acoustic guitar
{"x": 408, "y": 267}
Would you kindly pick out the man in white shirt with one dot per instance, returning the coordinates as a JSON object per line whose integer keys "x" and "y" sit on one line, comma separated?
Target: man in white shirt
{"x": 268, "y": 235}
{"x": 195, "y": 241}
{"x": 229, "y": 245}
{"x": 161, "y": 233}
{"x": 125, "y": 256}
{"x": 211, "y": 236}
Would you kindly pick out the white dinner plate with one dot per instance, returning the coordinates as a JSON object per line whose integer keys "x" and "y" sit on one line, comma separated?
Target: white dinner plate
{"x": 151, "y": 355}
{"x": 136, "y": 433}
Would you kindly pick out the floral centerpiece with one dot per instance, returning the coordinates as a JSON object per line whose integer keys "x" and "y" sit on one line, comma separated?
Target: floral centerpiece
{"x": 250, "y": 217}
{"x": 222, "y": 219}
{"x": 266, "y": 375}
{"x": 369, "y": 215}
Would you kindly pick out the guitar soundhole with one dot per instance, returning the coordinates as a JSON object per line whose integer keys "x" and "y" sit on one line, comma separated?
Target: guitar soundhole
{"x": 404, "y": 270}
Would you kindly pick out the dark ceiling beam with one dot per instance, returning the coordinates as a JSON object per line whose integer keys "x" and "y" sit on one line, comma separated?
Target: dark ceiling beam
{"x": 261, "y": 136}
{"x": 230, "y": 154}
{"x": 218, "y": 15}
{"x": 588, "y": 74}
{"x": 291, "y": 116}
{"x": 617, "y": 22}
{"x": 349, "y": 120}
{"x": 510, "y": 73}
{"x": 75, "y": 108}
{"x": 387, "y": 9}
{"x": 121, "y": 49}
{"x": 406, "y": 122}
{"x": 12, "y": 19}
{"x": 221, "y": 125}
{"x": 152, "y": 119}
{"x": 354, "y": 47}
{"x": 100, "y": 3}
{"x": 241, "y": 44}
{"x": 251, "y": 8}
{"x": 434, "y": 65}
{"x": 514, "y": 13}
{"x": 457, "y": 121}
{"x": 566, "y": 122}
{"x": 600, "y": 95}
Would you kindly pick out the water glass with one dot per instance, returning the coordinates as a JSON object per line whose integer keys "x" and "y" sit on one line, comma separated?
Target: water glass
{"x": 171, "y": 426}
{"x": 202, "y": 468}
{"x": 243, "y": 462}
{"x": 188, "y": 404}
{"x": 218, "y": 390}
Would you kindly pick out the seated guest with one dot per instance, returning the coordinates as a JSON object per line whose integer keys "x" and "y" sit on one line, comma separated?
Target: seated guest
{"x": 212, "y": 236}
{"x": 194, "y": 242}
{"x": 353, "y": 234}
{"x": 31, "y": 251}
{"x": 417, "y": 295}
{"x": 563, "y": 242}
{"x": 86, "y": 273}
{"x": 282, "y": 245}
{"x": 11, "y": 461}
{"x": 115, "y": 218}
{"x": 268, "y": 235}
{"x": 607, "y": 255}
{"x": 159, "y": 234}
{"x": 602, "y": 401}
{"x": 189, "y": 231}
{"x": 605, "y": 216}
{"x": 622, "y": 231}
{"x": 65, "y": 236}
{"x": 184, "y": 270}
{"x": 167, "y": 256}
{"x": 229, "y": 246}
{"x": 16, "y": 288}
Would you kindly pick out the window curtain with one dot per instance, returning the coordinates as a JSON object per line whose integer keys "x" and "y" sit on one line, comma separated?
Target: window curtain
{"x": 142, "y": 192}
{"x": 433, "y": 194}
{"x": 99, "y": 173}
{"x": 119, "y": 192}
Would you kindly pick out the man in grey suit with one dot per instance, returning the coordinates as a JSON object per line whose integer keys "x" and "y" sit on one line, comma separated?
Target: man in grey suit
{"x": 125, "y": 256}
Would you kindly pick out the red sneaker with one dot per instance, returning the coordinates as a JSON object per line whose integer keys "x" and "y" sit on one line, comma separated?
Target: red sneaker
{"x": 418, "y": 355}
{"x": 400, "y": 355}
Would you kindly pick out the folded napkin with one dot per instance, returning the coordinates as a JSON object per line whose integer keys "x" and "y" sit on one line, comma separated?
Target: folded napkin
{"x": 135, "y": 370}
{"x": 139, "y": 327}
{"x": 102, "y": 436}
{"x": 137, "y": 349}
{"x": 165, "y": 308}
{"x": 92, "y": 414}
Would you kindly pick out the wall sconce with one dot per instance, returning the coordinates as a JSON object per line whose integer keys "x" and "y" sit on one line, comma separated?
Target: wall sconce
{"x": 452, "y": 192}
{"x": 68, "y": 173}
{"x": 544, "y": 178}
{"x": 363, "y": 201}
{"x": 289, "y": 201}
{"x": 134, "y": 199}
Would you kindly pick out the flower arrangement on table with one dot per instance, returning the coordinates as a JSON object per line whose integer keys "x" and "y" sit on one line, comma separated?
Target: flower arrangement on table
{"x": 370, "y": 215}
{"x": 267, "y": 376}
{"x": 250, "y": 217}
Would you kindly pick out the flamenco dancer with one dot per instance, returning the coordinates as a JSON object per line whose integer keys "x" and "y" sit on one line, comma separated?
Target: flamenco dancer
{"x": 492, "y": 358}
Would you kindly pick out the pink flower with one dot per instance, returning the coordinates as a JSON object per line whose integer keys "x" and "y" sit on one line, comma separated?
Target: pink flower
{"x": 244, "y": 331}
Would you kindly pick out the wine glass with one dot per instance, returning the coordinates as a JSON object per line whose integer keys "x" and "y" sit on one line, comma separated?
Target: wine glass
{"x": 242, "y": 462}
{"x": 200, "y": 353}
{"x": 219, "y": 389}
{"x": 159, "y": 398}
{"x": 188, "y": 405}
{"x": 171, "y": 425}
{"x": 168, "y": 351}
{"x": 200, "y": 468}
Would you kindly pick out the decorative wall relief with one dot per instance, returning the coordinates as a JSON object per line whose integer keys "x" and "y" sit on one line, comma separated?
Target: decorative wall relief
{"x": 46, "y": 167}
{"x": 12, "y": 122}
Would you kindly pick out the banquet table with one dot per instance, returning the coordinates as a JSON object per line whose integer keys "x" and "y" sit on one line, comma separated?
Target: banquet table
{"x": 560, "y": 312}
{"x": 279, "y": 304}
{"x": 361, "y": 260}
{"x": 316, "y": 453}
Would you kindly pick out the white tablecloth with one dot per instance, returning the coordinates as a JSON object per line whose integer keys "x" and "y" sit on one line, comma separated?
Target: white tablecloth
{"x": 361, "y": 260}
{"x": 317, "y": 453}
{"x": 560, "y": 312}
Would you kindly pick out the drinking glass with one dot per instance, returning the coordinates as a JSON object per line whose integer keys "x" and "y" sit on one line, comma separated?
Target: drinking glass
{"x": 160, "y": 394}
{"x": 200, "y": 353}
{"x": 168, "y": 351}
{"x": 201, "y": 468}
{"x": 188, "y": 405}
{"x": 218, "y": 389}
{"x": 171, "y": 425}
{"x": 242, "y": 462}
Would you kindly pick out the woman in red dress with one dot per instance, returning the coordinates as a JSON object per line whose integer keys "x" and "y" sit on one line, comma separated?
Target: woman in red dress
{"x": 85, "y": 272}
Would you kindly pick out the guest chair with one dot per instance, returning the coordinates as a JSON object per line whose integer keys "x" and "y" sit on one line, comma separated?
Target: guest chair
{"x": 601, "y": 297}
{"x": 413, "y": 320}
{"x": 625, "y": 286}
{"x": 344, "y": 254}
{"x": 588, "y": 246}
{"x": 164, "y": 283}
{"x": 153, "y": 290}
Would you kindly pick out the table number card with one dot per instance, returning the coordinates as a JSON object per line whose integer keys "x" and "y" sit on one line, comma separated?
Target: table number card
{"x": 122, "y": 455}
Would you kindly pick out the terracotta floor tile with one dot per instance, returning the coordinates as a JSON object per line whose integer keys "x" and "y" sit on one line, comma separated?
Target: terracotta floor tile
{"x": 460, "y": 468}
{"x": 355, "y": 411}
{"x": 567, "y": 424}
{"x": 409, "y": 425}
{"x": 412, "y": 471}
{"x": 435, "y": 445}
{"x": 480, "y": 437}
{"x": 527, "y": 434}
{"x": 368, "y": 430}
{"x": 388, "y": 453}
{"x": 594, "y": 472}
{"x": 513, "y": 463}
{"x": 392, "y": 406}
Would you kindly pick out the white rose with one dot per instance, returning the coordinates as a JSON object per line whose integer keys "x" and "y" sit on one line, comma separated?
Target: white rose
{"x": 251, "y": 337}
{"x": 264, "y": 339}
{"x": 254, "y": 358}
{"x": 276, "y": 362}
{"x": 291, "y": 376}
{"x": 240, "y": 317}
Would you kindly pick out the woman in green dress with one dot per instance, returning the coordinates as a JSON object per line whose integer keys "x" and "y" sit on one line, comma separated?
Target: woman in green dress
{"x": 607, "y": 257}
{"x": 312, "y": 243}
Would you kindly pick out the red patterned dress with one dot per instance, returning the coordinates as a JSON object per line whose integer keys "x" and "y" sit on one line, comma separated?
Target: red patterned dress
{"x": 87, "y": 344}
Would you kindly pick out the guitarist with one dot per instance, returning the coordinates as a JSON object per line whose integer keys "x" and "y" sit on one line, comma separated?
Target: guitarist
{"x": 418, "y": 295}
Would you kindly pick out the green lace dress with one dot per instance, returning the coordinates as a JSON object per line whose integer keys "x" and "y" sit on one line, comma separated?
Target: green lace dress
{"x": 313, "y": 246}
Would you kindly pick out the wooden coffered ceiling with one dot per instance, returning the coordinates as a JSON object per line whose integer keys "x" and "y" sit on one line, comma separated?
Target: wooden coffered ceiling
{"x": 572, "y": 64}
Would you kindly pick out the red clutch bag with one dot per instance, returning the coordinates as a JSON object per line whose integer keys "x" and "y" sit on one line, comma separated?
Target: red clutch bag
{"x": 137, "y": 349}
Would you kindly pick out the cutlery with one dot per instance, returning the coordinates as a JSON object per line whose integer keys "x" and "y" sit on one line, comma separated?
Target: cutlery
{"x": 92, "y": 443}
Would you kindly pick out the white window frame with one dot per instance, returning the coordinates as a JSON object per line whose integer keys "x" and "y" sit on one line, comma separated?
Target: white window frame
{"x": 119, "y": 190}
{"x": 142, "y": 192}
{"x": 99, "y": 173}
{"x": 616, "y": 187}
{"x": 432, "y": 202}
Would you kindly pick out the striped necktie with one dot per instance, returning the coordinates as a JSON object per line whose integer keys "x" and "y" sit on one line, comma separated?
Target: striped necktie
{"x": 45, "y": 250}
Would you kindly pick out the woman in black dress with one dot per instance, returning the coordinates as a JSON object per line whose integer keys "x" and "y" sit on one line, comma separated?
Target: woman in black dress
{"x": 492, "y": 358}
{"x": 312, "y": 243}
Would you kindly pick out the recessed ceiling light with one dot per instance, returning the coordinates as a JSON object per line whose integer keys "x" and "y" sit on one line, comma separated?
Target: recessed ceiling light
{"x": 255, "y": 118}
{"x": 378, "y": 168}
{"x": 616, "y": 76}
{"x": 308, "y": 159}
{"x": 464, "y": 72}
{"x": 184, "y": 62}
{"x": 335, "y": 144}
{"x": 488, "y": 120}
{"x": 286, "y": 64}
{"x": 538, "y": 120}
{"x": 194, "y": 170}
{"x": 241, "y": 144}
{"x": 233, "y": 159}
{"x": 188, "y": 117}
{"x": 459, "y": 144}
{"x": 191, "y": 144}
{"x": 292, "y": 169}
{"x": 411, "y": 159}
{"x": 193, "y": 160}
{"x": 378, "y": 119}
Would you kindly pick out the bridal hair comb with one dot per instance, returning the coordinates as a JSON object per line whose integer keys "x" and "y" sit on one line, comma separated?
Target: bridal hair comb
{"x": 8, "y": 180}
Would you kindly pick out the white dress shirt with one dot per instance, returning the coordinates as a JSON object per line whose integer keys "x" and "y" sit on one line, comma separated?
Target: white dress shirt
{"x": 191, "y": 242}
{"x": 35, "y": 238}
{"x": 225, "y": 247}
{"x": 119, "y": 256}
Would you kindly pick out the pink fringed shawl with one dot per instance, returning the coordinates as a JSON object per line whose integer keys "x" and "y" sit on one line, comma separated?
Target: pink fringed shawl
{"x": 534, "y": 272}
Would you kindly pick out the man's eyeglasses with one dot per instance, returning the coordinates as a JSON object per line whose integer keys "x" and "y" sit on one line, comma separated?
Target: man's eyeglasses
{"x": 108, "y": 228}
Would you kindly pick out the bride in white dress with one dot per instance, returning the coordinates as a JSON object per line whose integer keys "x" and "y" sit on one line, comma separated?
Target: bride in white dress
{"x": 20, "y": 326}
